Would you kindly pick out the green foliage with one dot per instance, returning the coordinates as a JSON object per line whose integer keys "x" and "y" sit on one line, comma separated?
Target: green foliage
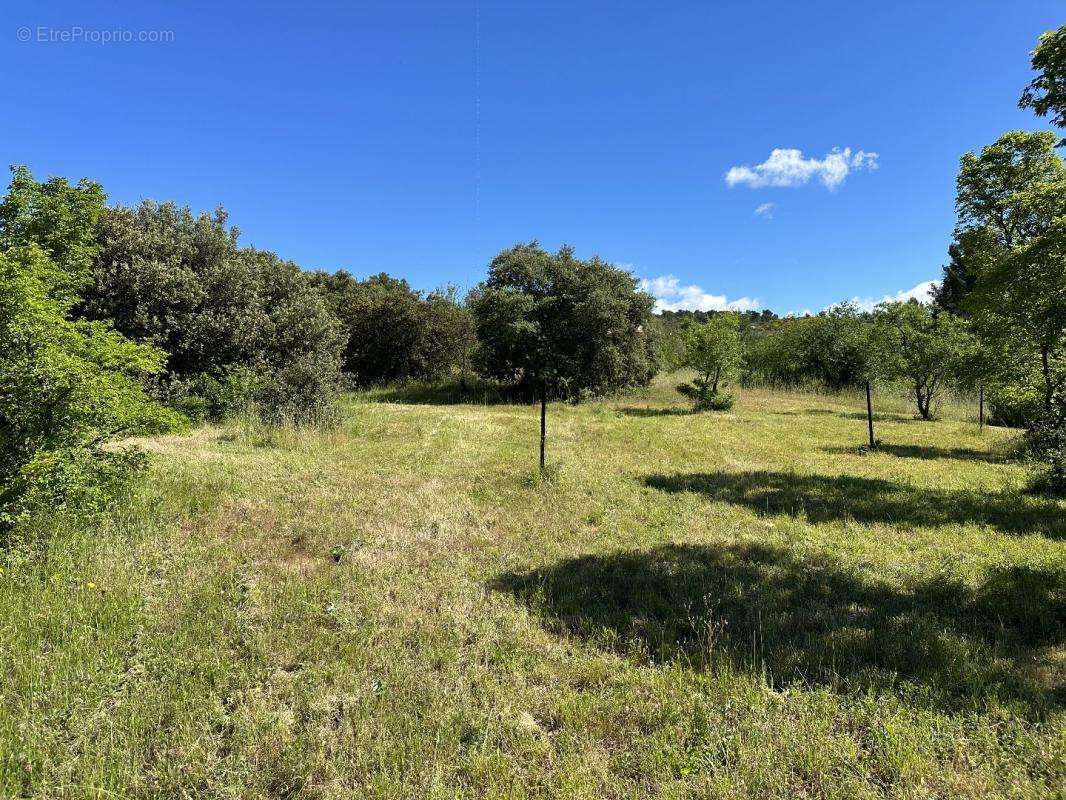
{"x": 1047, "y": 441}
{"x": 1000, "y": 187}
{"x": 383, "y": 322}
{"x": 705, "y": 397}
{"x": 576, "y": 325}
{"x": 833, "y": 349}
{"x": 1006, "y": 272}
{"x": 1015, "y": 404}
{"x": 713, "y": 350}
{"x": 66, "y": 389}
{"x": 447, "y": 344}
{"x": 925, "y": 349}
{"x": 180, "y": 281}
{"x": 1046, "y": 94}
{"x": 393, "y": 333}
{"x": 972, "y": 252}
{"x": 61, "y": 219}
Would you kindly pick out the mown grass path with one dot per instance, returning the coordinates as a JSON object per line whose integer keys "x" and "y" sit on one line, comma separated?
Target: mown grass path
{"x": 715, "y": 605}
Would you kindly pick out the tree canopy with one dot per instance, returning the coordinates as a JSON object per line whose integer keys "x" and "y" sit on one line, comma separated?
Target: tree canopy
{"x": 67, "y": 387}
{"x": 576, "y": 326}
{"x": 1046, "y": 94}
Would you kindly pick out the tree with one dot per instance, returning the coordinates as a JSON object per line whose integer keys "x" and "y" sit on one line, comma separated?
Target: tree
{"x": 713, "y": 350}
{"x": 836, "y": 346}
{"x": 555, "y": 324}
{"x": 1011, "y": 201}
{"x": 67, "y": 388}
{"x": 924, "y": 348}
{"x": 577, "y": 327}
{"x": 972, "y": 251}
{"x": 1000, "y": 188}
{"x": 447, "y": 342}
{"x": 179, "y": 281}
{"x": 383, "y": 320}
{"x": 57, "y": 217}
{"x": 297, "y": 357}
{"x": 1046, "y": 94}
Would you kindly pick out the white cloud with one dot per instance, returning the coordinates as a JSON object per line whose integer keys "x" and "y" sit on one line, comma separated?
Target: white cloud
{"x": 670, "y": 295}
{"x": 766, "y": 211}
{"x": 788, "y": 167}
{"x": 923, "y": 293}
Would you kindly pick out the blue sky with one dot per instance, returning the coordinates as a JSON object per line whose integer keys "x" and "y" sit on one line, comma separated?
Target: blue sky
{"x": 422, "y": 138}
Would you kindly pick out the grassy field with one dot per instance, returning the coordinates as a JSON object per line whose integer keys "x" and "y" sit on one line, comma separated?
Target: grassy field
{"x": 715, "y": 605}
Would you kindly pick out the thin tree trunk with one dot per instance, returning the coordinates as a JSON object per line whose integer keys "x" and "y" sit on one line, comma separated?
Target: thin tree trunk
{"x": 717, "y": 375}
{"x": 919, "y": 395}
{"x": 870, "y": 413}
{"x": 981, "y": 407}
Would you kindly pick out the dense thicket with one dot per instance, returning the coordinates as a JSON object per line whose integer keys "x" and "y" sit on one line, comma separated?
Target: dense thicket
{"x": 67, "y": 387}
{"x": 394, "y": 332}
{"x": 552, "y": 320}
{"x": 239, "y": 326}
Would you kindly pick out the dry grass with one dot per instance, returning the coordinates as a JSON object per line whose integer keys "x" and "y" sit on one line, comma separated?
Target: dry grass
{"x": 714, "y": 605}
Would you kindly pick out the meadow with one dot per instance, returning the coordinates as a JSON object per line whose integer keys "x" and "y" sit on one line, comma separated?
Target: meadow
{"x": 726, "y": 605}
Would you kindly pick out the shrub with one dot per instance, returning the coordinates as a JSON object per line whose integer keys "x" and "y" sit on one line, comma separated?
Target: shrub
{"x": 1015, "y": 405}
{"x": 1047, "y": 441}
{"x": 394, "y": 333}
{"x": 66, "y": 389}
{"x": 705, "y": 397}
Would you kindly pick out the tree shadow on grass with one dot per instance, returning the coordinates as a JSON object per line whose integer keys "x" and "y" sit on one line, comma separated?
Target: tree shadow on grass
{"x": 811, "y": 622}
{"x": 880, "y": 416}
{"x": 637, "y": 411}
{"x": 822, "y": 498}
{"x": 926, "y": 452}
{"x": 475, "y": 392}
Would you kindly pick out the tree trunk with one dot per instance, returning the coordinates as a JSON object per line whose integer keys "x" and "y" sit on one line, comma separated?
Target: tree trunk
{"x": 920, "y": 398}
{"x": 543, "y": 421}
{"x": 870, "y": 413}
{"x": 981, "y": 407}
{"x": 717, "y": 375}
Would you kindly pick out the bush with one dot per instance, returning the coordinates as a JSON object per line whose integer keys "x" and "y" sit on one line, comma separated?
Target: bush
{"x": 1047, "y": 442}
{"x": 705, "y": 397}
{"x": 1015, "y": 405}
{"x": 210, "y": 398}
{"x": 66, "y": 389}
{"x": 394, "y": 333}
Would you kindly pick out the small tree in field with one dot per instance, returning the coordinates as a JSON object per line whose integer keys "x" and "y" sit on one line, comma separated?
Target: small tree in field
{"x": 558, "y": 325}
{"x": 713, "y": 350}
{"x": 921, "y": 347}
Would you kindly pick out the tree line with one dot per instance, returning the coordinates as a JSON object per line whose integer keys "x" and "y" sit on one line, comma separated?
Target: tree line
{"x": 998, "y": 317}
{"x": 118, "y": 320}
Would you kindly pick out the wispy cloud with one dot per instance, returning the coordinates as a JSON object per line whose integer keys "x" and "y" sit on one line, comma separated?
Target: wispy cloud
{"x": 766, "y": 211}
{"x": 670, "y": 295}
{"x": 788, "y": 167}
{"x": 923, "y": 293}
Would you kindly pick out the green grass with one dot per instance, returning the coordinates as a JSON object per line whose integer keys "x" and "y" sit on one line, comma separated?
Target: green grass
{"x": 739, "y": 604}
